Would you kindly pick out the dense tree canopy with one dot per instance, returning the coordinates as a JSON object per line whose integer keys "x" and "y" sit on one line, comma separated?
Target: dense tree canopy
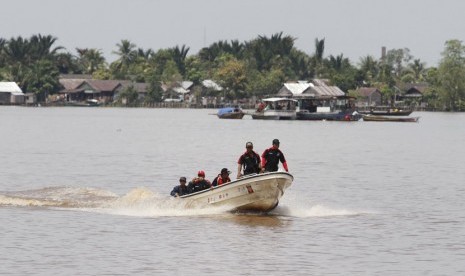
{"x": 252, "y": 68}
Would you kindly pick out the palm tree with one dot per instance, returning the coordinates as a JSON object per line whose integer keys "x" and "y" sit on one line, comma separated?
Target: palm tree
{"x": 369, "y": 69}
{"x": 90, "y": 59}
{"x": 17, "y": 51}
{"x": 267, "y": 52}
{"x": 42, "y": 79}
{"x": 237, "y": 49}
{"x": 67, "y": 64}
{"x": 179, "y": 57}
{"x": 2, "y": 51}
{"x": 41, "y": 47}
{"x": 145, "y": 54}
{"x": 415, "y": 72}
{"x": 127, "y": 55}
{"x": 318, "y": 56}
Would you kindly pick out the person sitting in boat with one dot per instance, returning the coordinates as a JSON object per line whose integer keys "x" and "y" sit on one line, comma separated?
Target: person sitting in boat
{"x": 249, "y": 161}
{"x": 261, "y": 106}
{"x": 180, "y": 189}
{"x": 222, "y": 178}
{"x": 199, "y": 183}
{"x": 271, "y": 158}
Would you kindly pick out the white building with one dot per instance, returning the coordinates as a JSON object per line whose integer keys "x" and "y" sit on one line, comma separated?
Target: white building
{"x": 10, "y": 93}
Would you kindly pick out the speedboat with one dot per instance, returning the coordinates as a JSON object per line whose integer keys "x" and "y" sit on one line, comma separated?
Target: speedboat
{"x": 251, "y": 193}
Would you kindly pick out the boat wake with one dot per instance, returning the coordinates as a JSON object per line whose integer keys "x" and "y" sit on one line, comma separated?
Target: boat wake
{"x": 143, "y": 202}
{"x": 314, "y": 211}
{"x": 140, "y": 202}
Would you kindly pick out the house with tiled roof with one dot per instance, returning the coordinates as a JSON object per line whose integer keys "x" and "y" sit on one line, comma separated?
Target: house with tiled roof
{"x": 86, "y": 89}
{"x": 82, "y": 87}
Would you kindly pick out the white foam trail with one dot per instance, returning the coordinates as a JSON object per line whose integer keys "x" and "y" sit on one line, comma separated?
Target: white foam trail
{"x": 293, "y": 206}
{"x": 314, "y": 211}
{"x": 142, "y": 202}
{"x": 24, "y": 202}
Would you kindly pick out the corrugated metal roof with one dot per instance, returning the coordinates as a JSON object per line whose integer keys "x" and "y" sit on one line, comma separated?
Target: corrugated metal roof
{"x": 366, "y": 91}
{"x": 180, "y": 90}
{"x": 10, "y": 87}
{"x": 328, "y": 91}
{"x": 186, "y": 84}
{"x": 297, "y": 88}
{"x": 211, "y": 84}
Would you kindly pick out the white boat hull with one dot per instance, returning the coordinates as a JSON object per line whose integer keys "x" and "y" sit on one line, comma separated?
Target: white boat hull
{"x": 275, "y": 115}
{"x": 255, "y": 193}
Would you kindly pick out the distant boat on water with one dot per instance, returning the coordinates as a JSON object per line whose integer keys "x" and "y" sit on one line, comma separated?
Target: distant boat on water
{"x": 387, "y": 112}
{"x": 376, "y": 118}
{"x": 90, "y": 102}
{"x": 276, "y": 109}
{"x": 230, "y": 113}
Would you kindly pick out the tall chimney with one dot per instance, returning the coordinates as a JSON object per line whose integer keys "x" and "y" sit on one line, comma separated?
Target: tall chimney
{"x": 383, "y": 52}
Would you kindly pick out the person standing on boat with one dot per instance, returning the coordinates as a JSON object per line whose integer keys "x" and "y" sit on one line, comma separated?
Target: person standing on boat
{"x": 199, "y": 183}
{"x": 181, "y": 189}
{"x": 249, "y": 161}
{"x": 222, "y": 178}
{"x": 271, "y": 158}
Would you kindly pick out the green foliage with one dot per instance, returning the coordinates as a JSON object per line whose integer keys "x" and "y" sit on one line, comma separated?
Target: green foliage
{"x": 90, "y": 60}
{"x": 41, "y": 78}
{"x": 263, "y": 84}
{"x": 257, "y": 67}
{"x": 232, "y": 75}
{"x": 128, "y": 96}
{"x": 451, "y": 76}
{"x": 154, "y": 93}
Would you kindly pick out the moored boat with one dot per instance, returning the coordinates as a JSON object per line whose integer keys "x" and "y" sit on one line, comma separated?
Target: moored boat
{"x": 89, "y": 102}
{"x": 230, "y": 113}
{"x": 338, "y": 108}
{"x": 387, "y": 112}
{"x": 251, "y": 193}
{"x": 328, "y": 116}
{"x": 276, "y": 109}
{"x": 375, "y": 118}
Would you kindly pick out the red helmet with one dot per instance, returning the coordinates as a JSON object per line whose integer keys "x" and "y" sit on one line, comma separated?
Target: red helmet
{"x": 201, "y": 174}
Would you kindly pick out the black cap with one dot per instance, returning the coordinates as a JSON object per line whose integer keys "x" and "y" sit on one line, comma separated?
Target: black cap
{"x": 183, "y": 179}
{"x": 225, "y": 170}
{"x": 248, "y": 144}
{"x": 275, "y": 142}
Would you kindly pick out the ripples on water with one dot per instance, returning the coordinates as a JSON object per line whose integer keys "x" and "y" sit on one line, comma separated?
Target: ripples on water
{"x": 85, "y": 192}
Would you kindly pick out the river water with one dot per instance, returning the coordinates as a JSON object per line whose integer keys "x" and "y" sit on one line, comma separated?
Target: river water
{"x": 85, "y": 191}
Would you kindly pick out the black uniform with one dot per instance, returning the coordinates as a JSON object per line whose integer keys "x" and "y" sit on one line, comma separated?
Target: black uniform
{"x": 272, "y": 157}
{"x": 250, "y": 162}
{"x": 180, "y": 190}
{"x": 198, "y": 184}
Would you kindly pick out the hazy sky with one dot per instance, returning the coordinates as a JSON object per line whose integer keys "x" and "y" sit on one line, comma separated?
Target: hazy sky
{"x": 355, "y": 28}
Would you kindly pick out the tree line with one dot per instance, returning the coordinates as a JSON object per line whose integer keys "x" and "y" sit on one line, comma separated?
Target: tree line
{"x": 252, "y": 68}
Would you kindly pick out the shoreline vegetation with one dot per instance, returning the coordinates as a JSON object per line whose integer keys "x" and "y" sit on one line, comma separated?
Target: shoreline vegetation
{"x": 246, "y": 71}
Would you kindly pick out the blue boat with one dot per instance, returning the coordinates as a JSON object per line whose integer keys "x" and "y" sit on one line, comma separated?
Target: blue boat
{"x": 230, "y": 113}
